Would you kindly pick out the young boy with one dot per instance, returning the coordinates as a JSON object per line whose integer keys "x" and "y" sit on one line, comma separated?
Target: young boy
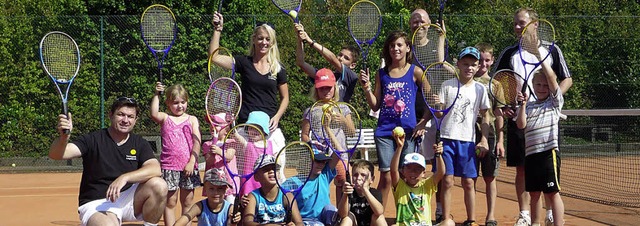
{"x": 364, "y": 207}
{"x": 413, "y": 192}
{"x": 214, "y": 210}
{"x": 314, "y": 203}
{"x": 490, "y": 162}
{"x": 266, "y": 204}
{"x": 539, "y": 119}
{"x": 458, "y": 135}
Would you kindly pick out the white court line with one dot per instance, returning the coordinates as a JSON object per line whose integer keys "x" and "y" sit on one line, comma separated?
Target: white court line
{"x": 22, "y": 196}
{"x": 60, "y": 187}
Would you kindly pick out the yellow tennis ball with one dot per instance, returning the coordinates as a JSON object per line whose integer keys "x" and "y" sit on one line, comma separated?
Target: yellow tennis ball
{"x": 13, "y": 165}
{"x": 293, "y": 13}
{"x": 398, "y": 131}
{"x": 477, "y": 152}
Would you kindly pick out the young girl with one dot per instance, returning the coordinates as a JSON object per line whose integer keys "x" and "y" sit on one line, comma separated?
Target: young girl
{"x": 394, "y": 95}
{"x": 213, "y": 210}
{"x": 253, "y": 144}
{"x": 213, "y": 153}
{"x": 180, "y": 147}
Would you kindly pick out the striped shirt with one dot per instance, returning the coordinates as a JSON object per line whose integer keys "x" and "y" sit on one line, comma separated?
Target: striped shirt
{"x": 541, "y": 132}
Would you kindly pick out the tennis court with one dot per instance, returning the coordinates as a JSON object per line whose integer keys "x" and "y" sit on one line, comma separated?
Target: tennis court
{"x": 51, "y": 199}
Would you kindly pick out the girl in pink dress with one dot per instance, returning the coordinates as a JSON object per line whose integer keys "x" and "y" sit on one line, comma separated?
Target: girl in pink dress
{"x": 180, "y": 147}
{"x": 213, "y": 153}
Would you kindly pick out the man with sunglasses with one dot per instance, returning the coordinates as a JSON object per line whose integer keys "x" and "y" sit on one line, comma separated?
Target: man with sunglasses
{"x": 120, "y": 177}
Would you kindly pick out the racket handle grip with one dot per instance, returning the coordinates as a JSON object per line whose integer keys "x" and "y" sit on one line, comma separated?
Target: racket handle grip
{"x": 65, "y": 111}
{"x": 438, "y": 136}
{"x": 236, "y": 204}
{"x": 348, "y": 176}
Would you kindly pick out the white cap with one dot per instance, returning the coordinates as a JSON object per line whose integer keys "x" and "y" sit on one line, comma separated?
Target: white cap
{"x": 415, "y": 158}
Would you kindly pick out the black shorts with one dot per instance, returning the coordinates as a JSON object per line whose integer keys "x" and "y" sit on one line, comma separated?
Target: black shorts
{"x": 515, "y": 144}
{"x": 489, "y": 164}
{"x": 542, "y": 172}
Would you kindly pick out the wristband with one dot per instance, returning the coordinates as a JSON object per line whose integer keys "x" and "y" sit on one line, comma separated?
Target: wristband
{"x": 437, "y": 155}
{"x": 312, "y": 42}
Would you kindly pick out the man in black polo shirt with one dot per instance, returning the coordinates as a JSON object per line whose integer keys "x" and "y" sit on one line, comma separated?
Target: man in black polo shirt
{"x": 120, "y": 177}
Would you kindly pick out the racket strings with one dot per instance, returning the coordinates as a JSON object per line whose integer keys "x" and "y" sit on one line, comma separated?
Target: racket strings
{"x": 364, "y": 21}
{"x": 436, "y": 75}
{"x": 60, "y": 56}
{"x": 298, "y": 166}
{"x": 507, "y": 88}
{"x": 287, "y": 4}
{"x": 425, "y": 44}
{"x": 315, "y": 126}
{"x": 158, "y": 27}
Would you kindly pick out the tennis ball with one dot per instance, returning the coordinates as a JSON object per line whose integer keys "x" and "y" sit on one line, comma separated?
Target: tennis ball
{"x": 398, "y": 131}
{"x": 293, "y": 14}
{"x": 477, "y": 152}
{"x": 13, "y": 165}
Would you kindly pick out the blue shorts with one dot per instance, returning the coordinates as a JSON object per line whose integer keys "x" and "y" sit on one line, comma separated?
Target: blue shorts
{"x": 326, "y": 217}
{"x": 459, "y": 158}
{"x": 386, "y": 146}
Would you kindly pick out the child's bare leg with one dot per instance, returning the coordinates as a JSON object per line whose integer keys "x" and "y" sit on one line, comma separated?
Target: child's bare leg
{"x": 186, "y": 200}
{"x": 536, "y": 207}
{"x": 492, "y": 195}
{"x": 523, "y": 196}
{"x": 169, "y": 210}
{"x": 558, "y": 208}
{"x": 447, "y": 184}
{"x": 384, "y": 185}
{"x": 469, "y": 197}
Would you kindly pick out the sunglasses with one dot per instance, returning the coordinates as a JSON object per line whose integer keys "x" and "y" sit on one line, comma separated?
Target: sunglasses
{"x": 127, "y": 99}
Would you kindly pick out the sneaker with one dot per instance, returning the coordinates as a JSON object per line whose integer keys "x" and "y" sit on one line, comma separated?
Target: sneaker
{"x": 549, "y": 220}
{"x": 491, "y": 223}
{"x": 470, "y": 223}
{"x": 523, "y": 221}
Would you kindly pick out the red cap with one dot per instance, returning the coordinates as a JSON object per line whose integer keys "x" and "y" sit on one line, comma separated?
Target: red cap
{"x": 325, "y": 77}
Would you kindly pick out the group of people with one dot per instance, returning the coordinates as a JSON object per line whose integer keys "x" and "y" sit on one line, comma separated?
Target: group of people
{"x": 123, "y": 181}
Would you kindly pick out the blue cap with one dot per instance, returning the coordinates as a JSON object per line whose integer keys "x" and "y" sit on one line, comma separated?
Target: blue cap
{"x": 260, "y": 119}
{"x": 469, "y": 51}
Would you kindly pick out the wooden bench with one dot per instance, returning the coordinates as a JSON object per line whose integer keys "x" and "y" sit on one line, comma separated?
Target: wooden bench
{"x": 367, "y": 141}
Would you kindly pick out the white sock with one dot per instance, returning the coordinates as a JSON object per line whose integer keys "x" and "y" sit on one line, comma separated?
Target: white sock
{"x": 550, "y": 214}
{"x": 525, "y": 214}
{"x": 149, "y": 224}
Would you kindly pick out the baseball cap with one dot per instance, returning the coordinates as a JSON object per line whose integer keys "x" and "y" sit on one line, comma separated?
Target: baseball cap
{"x": 260, "y": 119}
{"x": 216, "y": 177}
{"x": 325, "y": 77}
{"x": 264, "y": 160}
{"x": 217, "y": 119}
{"x": 414, "y": 158}
{"x": 469, "y": 51}
{"x": 320, "y": 156}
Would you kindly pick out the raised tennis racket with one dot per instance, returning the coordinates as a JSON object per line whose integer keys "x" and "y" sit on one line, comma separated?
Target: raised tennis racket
{"x": 297, "y": 169}
{"x": 441, "y": 11}
{"x": 216, "y": 71}
{"x": 159, "y": 31}
{"x": 364, "y": 22}
{"x": 224, "y": 96}
{"x": 60, "y": 58}
{"x": 314, "y": 114}
{"x": 342, "y": 126}
{"x": 249, "y": 144}
{"x": 536, "y": 43}
{"x": 440, "y": 88}
{"x": 504, "y": 87}
{"x": 428, "y": 45}
{"x": 289, "y": 7}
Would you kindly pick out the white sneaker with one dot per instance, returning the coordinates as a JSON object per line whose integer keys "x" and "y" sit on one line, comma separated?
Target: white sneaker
{"x": 549, "y": 220}
{"x": 523, "y": 220}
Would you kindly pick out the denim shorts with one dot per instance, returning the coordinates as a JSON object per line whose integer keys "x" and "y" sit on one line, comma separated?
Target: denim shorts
{"x": 386, "y": 146}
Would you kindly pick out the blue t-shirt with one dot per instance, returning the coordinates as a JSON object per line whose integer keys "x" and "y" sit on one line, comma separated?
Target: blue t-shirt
{"x": 398, "y": 103}
{"x": 269, "y": 212}
{"x": 210, "y": 218}
{"x": 315, "y": 194}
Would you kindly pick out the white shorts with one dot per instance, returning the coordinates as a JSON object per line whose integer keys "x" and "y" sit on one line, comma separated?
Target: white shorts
{"x": 122, "y": 208}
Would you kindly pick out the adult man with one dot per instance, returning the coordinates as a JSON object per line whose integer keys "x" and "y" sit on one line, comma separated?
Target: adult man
{"x": 509, "y": 59}
{"x": 120, "y": 177}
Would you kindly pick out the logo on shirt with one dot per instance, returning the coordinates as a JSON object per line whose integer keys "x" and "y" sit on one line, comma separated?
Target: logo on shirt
{"x": 133, "y": 151}
{"x": 132, "y": 156}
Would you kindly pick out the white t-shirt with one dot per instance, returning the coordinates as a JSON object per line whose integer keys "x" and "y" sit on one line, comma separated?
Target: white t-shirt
{"x": 459, "y": 123}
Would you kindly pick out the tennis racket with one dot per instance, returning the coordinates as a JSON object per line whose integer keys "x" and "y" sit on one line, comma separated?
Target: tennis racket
{"x": 289, "y": 7}
{"x": 216, "y": 71}
{"x": 504, "y": 87}
{"x": 314, "y": 115}
{"x": 60, "y": 58}
{"x": 442, "y": 3}
{"x": 342, "y": 126}
{"x": 249, "y": 144}
{"x": 440, "y": 88}
{"x": 296, "y": 171}
{"x": 364, "y": 22}
{"x": 159, "y": 31}
{"x": 224, "y": 96}
{"x": 428, "y": 45}
{"x": 536, "y": 43}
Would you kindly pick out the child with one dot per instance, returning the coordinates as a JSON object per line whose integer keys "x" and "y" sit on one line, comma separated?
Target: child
{"x": 394, "y": 94}
{"x": 364, "y": 207}
{"x": 325, "y": 90}
{"x": 539, "y": 119}
{"x": 457, "y": 131}
{"x": 343, "y": 63}
{"x": 180, "y": 147}
{"x": 489, "y": 163}
{"x": 213, "y": 210}
{"x": 413, "y": 192}
{"x": 254, "y": 144}
{"x": 212, "y": 151}
{"x": 266, "y": 205}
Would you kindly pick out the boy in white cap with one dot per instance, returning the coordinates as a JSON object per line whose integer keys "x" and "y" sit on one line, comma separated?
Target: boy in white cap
{"x": 267, "y": 204}
{"x": 413, "y": 191}
{"x": 213, "y": 210}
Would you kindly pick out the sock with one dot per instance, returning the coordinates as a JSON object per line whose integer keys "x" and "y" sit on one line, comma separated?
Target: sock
{"x": 149, "y": 224}
{"x": 438, "y": 208}
{"x": 550, "y": 215}
{"x": 526, "y": 215}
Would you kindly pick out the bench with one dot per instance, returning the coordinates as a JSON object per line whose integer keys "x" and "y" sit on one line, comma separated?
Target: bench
{"x": 367, "y": 141}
